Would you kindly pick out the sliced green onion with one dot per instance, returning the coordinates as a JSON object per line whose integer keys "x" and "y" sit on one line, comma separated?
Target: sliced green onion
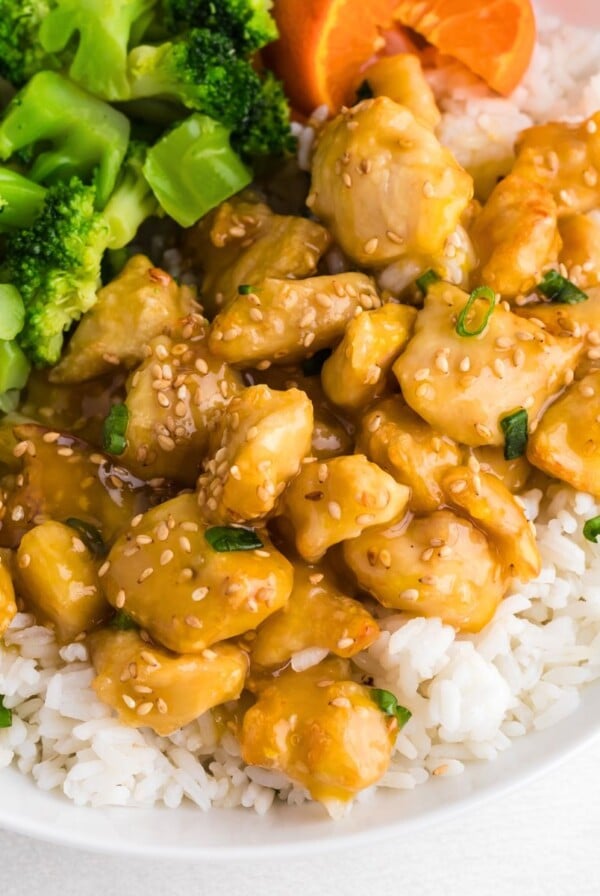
{"x": 12, "y": 311}
{"x": 489, "y": 296}
{"x": 115, "y": 429}
{"x": 89, "y": 535}
{"x": 426, "y": 280}
{"x": 515, "y": 428}
{"x": 123, "y": 622}
{"x": 312, "y": 366}
{"x": 388, "y": 704}
{"x": 244, "y": 289}
{"x": 232, "y": 538}
{"x": 5, "y": 714}
{"x": 558, "y": 289}
{"x": 364, "y": 92}
{"x": 591, "y": 529}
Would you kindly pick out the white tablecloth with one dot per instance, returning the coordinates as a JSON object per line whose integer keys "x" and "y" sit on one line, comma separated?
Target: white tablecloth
{"x": 543, "y": 840}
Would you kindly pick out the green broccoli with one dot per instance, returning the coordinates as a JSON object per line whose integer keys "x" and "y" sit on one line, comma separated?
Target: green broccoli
{"x": 14, "y": 366}
{"x": 21, "y": 53}
{"x": 77, "y": 134}
{"x": 21, "y": 200}
{"x": 55, "y": 263}
{"x": 247, "y": 23}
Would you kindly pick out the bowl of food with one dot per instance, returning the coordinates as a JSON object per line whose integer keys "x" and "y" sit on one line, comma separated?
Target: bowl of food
{"x": 301, "y": 417}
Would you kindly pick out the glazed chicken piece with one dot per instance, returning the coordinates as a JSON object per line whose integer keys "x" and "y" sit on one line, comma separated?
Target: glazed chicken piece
{"x": 395, "y": 438}
{"x": 257, "y": 448}
{"x": 440, "y": 565}
{"x": 581, "y": 320}
{"x": 142, "y": 302}
{"x": 580, "y": 253}
{"x": 151, "y": 687}
{"x": 566, "y": 443}
{"x": 62, "y": 477}
{"x": 464, "y": 385}
{"x": 57, "y": 577}
{"x": 516, "y": 236}
{"x": 244, "y": 242}
{"x": 333, "y": 500}
{"x": 321, "y": 729}
{"x": 384, "y": 186}
{"x": 317, "y": 614}
{"x": 173, "y": 401}
{"x": 190, "y": 586}
{"x": 401, "y": 79}
{"x": 514, "y": 474}
{"x": 492, "y": 508}
{"x": 8, "y": 604}
{"x": 358, "y": 370}
{"x": 284, "y": 320}
{"x": 564, "y": 158}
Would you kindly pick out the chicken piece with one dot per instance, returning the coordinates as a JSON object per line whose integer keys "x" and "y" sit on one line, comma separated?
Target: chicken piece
{"x": 322, "y": 730}
{"x": 142, "y": 302}
{"x": 317, "y": 614}
{"x": 8, "y": 605}
{"x": 581, "y": 320}
{"x": 63, "y": 477}
{"x": 244, "y": 242}
{"x": 385, "y": 186}
{"x": 187, "y": 594}
{"x": 358, "y": 370}
{"x": 57, "y": 577}
{"x": 401, "y": 79}
{"x": 566, "y": 443}
{"x": 493, "y": 509}
{"x": 464, "y": 385}
{"x": 336, "y": 499}
{"x": 516, "y": 236}
{"x": 440, "y": 565}
{"x": 564, "y": 158}
{"x": 513, "y": 473}
{"x": 330, "y": 437}
{"x": 150, "y": 687}
{"x": 286, "y": 320}
{"x": 173, "y": 401}
{"x": 257, "y": 448}
{"x": 580, "y": 253}
{"x": 400, "y": 442}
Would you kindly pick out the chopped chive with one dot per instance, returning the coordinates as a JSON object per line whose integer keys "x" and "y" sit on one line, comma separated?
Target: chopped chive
{"x": 426, "y": 280}
{"x": 515, "y": 428}
{"x": 312, "y": 366}
{"x": 591, "y": 529}
{"x": 489, "y": 296}
{"x": 123, "y": 622}
{"x": 364, "y": 92}
{"x": 89, "y": 535}
{"x": 558, "y": 289}
{"x": 232, "y": 538}
{"x": 244, "y": 289}
{"x": 115, "y": 428}
{"x": 388, "y": 704}
{"x": 5, "y": 714}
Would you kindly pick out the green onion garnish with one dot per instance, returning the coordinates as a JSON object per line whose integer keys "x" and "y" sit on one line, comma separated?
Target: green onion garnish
{"x": 489, "y": 296}
{"x": 591, "y": 529}
{"x": 244, "y": 289}
{"x": 364, "y": 92}
{"x": 89, "y": 535}
{"x": 515, "y": 428}
{"x": 312, "y": 366}
{"x": 558, "y": 289}
{"x": 5, "y": 714}
{"x": 232, "y": 538}
{"x": 115, "y": 428}
{"x": 426, "y": 280}
{"x": 388, "y": 704}
{"x": 123, "y": 622}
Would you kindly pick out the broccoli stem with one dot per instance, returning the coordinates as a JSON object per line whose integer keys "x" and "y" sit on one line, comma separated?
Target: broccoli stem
{"x": 21, "y": 200}
{"x": 194, "y": 168}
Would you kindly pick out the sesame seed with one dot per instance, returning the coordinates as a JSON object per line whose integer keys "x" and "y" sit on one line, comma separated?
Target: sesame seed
{"x": 137, "y": 520}
{"x": 166, "y": 443}
{"x": 428, "y": 190}
{"x": 409, "y": 594}
{"x": 104, "y": 569}
{"x": 499, "y": 368}
{"x": 24, "y": 561}
{"x": 441, "y": 362}
{"x": 162, "y": 531}
{"x": 465, "y": 364}
{"x": 422, "y": 374}
{"x": 334, "y": 510}
{"x": 235, "y": 472}
{"x": 341, "y": 702}
{"x": 529, "y": 402}
{"x": 394, "y": 237}
{"x": 149, "y": 659}
{"x": 591, "y": 126}
{"x": 120, "y": 600}
{"x": 344, "y": 643}
{"x": 255, "y": 314}
{"x": 370, "y": 247}
{"x": 20, "y": 449}
{"x": 325, "y": 683}
{"x": 142, "y": 689}
{"x": 385, "y": 558}
{"x": 65, "y": 452}
{"x": 374, "y": 423}
{"x": 209, "y": 654}
{"x": 322, "y": 473}
{"x": 199, "y": 594}
{"x": 347, "y": 179}
{"x": 145, "y": 574}
{"x": 128, "y": 701}
{"x": 483, "y": 430}
{"x": 166, "y": 557}
{"x": 427, "y": 554}
{"x": 426, "y": 390}
{"x": 458, "y": 486}
{"x": 161, "y": 706}
{"x": 593, "y": 354}
{"x": 445, "y": 551}
{"x": 184, "y": 544}
{"x": 315, "y": 578}
{"x": 365, "y": 519}
{"x": 144, "y": 708}
{"x": 587, "y": 391}
{"x": 569, "y": 376}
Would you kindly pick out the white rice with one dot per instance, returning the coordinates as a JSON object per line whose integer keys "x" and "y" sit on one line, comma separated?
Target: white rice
{"x": 469, "y": 695}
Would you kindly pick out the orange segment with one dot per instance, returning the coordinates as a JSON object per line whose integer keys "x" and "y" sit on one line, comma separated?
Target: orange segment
{"x": 495, "y": 39}
{"x": 323, "y": 45}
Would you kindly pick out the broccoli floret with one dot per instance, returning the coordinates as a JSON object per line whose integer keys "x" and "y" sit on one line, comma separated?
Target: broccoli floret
{"x": 21, "y": 53}
{"x": 76, "y": 133}
{"x": 132, "y": 201}
{"x": 21, "y": 200}
{"x": 266, "y": 130}
{"x": 247, "y": 23}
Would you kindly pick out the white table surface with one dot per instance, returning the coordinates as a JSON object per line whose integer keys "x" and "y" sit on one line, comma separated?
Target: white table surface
{"x": 543, "y": 840}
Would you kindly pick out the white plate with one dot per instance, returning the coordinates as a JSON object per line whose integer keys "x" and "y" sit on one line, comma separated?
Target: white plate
{"x": 188, "y": 833}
